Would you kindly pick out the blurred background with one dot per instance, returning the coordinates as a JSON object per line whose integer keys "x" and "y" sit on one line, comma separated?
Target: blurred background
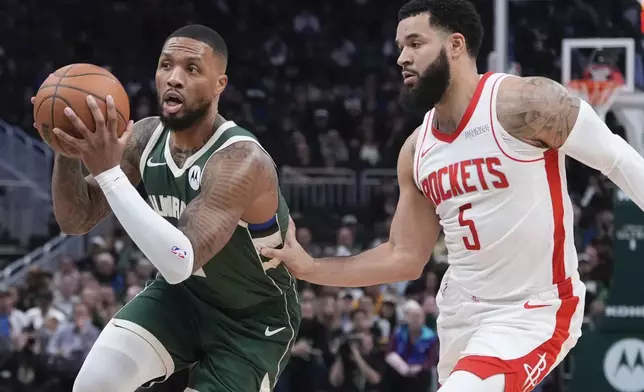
{"x": 318, "y": 83}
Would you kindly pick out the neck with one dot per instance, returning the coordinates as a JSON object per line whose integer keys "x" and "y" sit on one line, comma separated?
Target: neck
{"x": 198, "y": 134}
{"x": 450, "y": 110}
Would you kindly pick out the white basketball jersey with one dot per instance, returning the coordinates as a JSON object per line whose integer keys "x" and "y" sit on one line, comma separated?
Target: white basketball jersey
{"x": 503, "y": 204}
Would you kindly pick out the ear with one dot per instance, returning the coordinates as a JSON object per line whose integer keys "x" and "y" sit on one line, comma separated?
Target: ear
{"x": 456, "y": 44}
{"x": 222, "y": 82}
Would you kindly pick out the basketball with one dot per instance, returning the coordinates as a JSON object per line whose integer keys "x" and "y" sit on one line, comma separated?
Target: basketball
{"x": 69, "y": 86}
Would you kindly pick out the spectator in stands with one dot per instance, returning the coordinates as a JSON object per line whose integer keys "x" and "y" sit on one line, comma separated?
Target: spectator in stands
{"x": 358, "y": 366}
{"x": 370, "y": 303}
{"x": 70, "y": 344}
{"x": 44, "y": 311}
{"x": 305, "y": 239}
{"x": 413, "y": 351}
{"x": 105, "y": 271}
{"x": 65, "y": 297}
{"x": 6, "y": 329}
{"x": 346, "y": 245}
{"x": 66, "y": 267}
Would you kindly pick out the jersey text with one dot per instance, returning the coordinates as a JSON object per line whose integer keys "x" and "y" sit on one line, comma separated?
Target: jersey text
{"x": 167, "y": 206}
{"x": 463, "y": 177}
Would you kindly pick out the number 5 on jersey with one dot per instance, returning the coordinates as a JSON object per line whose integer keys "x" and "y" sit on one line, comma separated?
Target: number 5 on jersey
{"x": 473, "y": 243}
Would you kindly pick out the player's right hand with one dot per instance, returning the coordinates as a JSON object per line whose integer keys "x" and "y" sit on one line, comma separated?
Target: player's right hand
{"x": 298, "y": 262}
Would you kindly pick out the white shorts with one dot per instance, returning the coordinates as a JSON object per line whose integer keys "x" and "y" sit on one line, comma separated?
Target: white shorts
{"x": 523, "y": 339}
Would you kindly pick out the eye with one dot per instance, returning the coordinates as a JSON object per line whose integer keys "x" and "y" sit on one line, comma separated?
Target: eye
{"x": 165, "y": 65}
{"x": 416, "y": 44}
{"x": 193, "y": 68}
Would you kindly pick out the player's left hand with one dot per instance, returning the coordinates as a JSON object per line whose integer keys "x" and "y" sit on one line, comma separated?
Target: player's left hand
{"x": 103, "y": 149}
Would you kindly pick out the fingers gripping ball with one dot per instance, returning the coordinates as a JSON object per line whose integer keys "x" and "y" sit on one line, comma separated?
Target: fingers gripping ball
{"x": 68, "y": 87}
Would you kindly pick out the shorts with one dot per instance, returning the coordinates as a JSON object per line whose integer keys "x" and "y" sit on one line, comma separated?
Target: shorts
{"x": 226, "y": 352}
{"x": 522, "y": 338}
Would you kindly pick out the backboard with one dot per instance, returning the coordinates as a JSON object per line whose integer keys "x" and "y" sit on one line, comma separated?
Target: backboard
{"x": 612, "y": 59}
{"x": 598, "y": 58}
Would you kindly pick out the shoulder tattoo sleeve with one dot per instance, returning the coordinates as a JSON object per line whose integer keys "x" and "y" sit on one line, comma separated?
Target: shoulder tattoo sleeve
{"x": 232, "y": 180}
{"x": 537, "y": 110}
{"x": 143, "y": 130}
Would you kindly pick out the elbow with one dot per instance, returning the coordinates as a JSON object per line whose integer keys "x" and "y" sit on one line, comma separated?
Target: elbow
{"x": 411, "y": 267}
{"x": 71, "y": 223}
{"x": 414, "y": 273}
{"x": 181, "y": 271}
{"x": 175, "y": 278}
{"x": 69, "y": 228}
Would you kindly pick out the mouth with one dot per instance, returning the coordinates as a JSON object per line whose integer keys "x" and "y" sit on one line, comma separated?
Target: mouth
{"x": 172, "y": 102}
{"x": 409, "y": 78}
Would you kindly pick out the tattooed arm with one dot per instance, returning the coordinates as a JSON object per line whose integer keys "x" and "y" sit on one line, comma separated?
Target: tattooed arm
{"x": 239, "y": 180}
{"x": 541, "y": 112}
{"x": 537, "y": 110}
{"x": 79, "y": 203}
{"x": 233, "y": 179}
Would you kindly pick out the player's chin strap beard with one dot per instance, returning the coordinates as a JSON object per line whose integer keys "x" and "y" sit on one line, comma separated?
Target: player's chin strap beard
{"x": 189, "y": 118}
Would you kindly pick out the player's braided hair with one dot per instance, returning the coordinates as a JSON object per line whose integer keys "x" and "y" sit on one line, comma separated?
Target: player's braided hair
{"x": 452, "y": 16}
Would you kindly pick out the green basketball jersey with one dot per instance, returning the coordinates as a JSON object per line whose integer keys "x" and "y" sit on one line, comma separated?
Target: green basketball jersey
{"x": 238, "y": 276}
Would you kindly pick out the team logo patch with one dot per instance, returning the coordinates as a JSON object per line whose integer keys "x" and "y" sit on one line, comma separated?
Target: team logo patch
{"x": 194, "y": 177}
{"x": 180, "y": 253}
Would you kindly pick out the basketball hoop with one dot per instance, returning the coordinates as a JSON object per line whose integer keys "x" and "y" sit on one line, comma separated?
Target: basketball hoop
{"x": 599, "y": 94}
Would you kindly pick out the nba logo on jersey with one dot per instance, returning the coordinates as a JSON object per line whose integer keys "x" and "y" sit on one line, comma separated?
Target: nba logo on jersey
{"x": 180, "y": 253}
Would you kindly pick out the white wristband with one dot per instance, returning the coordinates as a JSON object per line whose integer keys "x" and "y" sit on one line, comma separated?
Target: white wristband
{"x": 110, "y": 179}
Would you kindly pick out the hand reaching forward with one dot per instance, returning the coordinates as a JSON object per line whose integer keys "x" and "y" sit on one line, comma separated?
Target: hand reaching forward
{"x": 298, "y": 262}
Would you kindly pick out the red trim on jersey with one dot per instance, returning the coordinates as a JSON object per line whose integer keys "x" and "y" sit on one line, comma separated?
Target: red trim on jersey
{"x": 556, "y": 196}
{"x": 523, "y": 374}
{"x": 497, "y": 140}
{"x": 419, "y": 152}
{"x": 468, "y": 112}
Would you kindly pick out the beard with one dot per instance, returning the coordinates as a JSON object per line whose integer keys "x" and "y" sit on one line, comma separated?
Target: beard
{"x": 429, "y": 89}
{"x": 189, "y": 118}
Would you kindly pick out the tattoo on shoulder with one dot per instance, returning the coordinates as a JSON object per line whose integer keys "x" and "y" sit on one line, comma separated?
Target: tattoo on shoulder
{"x": 233, "y": 179}
{"x": 143, "y": 130}
{"x": 242, "y": 159}
{"x": 537, "y": 110}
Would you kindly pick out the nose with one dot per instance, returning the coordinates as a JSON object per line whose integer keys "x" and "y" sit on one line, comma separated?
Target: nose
{"x": 175, "y": 79}
{"x": 404, "y": 59}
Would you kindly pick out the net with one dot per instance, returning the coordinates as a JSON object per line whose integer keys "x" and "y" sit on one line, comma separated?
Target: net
{"x": 599, "y": 94}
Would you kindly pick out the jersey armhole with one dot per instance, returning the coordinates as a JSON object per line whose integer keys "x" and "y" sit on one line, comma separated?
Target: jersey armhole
{"x": 420, "y": 140}
{"x": 149, "y": 147}
{"x": 513, "y": 148}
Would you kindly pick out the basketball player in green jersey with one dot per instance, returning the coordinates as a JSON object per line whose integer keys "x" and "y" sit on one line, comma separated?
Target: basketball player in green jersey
{"x": 217, "y": 306}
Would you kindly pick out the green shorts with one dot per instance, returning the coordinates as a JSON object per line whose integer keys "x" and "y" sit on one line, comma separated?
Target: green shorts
{"x": 227, "y": 351}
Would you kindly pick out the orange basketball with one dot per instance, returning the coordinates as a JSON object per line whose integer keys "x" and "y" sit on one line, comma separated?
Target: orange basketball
{"x": 69, "y": 86}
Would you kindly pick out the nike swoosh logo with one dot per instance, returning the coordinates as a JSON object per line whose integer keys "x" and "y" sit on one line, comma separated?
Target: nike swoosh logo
{"x": 268, "y": 332}
{"x": 153, "y": 164}
{"x": 422, "y": 155}
{"x": 528, "y": 306}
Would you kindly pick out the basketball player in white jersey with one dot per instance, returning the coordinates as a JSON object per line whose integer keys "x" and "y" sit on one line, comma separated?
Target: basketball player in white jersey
{"x": 487, "y": 167}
